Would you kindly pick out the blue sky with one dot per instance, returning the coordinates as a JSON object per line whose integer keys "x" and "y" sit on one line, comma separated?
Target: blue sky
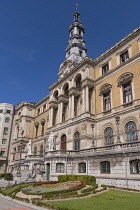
{"x": 34, "y": 35}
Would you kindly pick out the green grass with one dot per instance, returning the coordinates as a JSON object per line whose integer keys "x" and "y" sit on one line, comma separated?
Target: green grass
{"x": 10, "y": 190}
{"x": 111, "y": 200}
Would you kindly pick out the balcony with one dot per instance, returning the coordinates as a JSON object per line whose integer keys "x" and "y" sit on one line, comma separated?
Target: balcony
{"x": 99, "y": 151}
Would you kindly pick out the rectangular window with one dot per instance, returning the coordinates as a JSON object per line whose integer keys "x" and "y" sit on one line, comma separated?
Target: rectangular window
{"x": 105, "y": 167}
{"x": 124, "y": 56}
{"x": 106, "y": 101}
{"x": 2, "y": 153}
{"x": 4, "y": 141}
{"x": 60, "y": 168}
{"x": 105, "y": 69}
{"x": 5, "y": 132}
{"x": 135, "y": 167}
{"x": 7, "y": 120}
{"x": 8, "y": 111}
{"x": 1, "y": 110}
{"x": 1, "y": 166}
{"x": 127, "y": 92}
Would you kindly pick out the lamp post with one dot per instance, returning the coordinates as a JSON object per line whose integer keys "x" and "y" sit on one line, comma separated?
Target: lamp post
{"x": 92, "y": 127}
{"x": 117, "y": 118}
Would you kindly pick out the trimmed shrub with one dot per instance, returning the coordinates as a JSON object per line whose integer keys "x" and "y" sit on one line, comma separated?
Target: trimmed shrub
{"x": 87, "y": 180}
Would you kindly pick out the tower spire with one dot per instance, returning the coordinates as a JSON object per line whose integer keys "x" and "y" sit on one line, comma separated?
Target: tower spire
{"x": 76, "y": 49}
{"x": 77, "y": 6}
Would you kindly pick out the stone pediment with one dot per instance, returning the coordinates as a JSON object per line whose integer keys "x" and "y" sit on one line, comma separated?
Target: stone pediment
{"x": 65, "y": 67}
{"x": 126, "y": 77}
{"x": 105, "y": 88}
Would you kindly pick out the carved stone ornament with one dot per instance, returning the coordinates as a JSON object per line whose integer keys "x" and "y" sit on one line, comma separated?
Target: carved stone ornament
{"x": 105, "y": 88}
{"x": 84, "y": 127}
{"x": 126, "y": 77}
{"x": 69, "y": 132}
{"x": 36, "y": 124}
{"x": 42, "y": 121}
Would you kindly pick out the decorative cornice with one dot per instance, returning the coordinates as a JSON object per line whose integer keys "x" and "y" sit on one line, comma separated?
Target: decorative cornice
{"x": 118, "y": 45}
{"x": 63, "y": 98}
{"x": 126, "y": 77}
{"x": 88, "y": 82}
{"x": 118, "y": 67}
{"x": 21, "y": 104}
{"x": 45, "y": 99}
{"x": 75, "y": 91}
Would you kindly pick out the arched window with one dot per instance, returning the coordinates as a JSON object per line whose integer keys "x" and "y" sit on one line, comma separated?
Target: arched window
{"x": 131, "y": 131}
{"x": 66, "y": 90}
{"x": 41, "y": 150}
{"x": 63, "y": 142}
{"x": 77, "y": 141}
{"x": 56, "y": 95}
{"x": 60, "y": 167}
{"x": 35, "y": 151}
{"x": 135, "y": 167}
{"x": 82, "y": 167}
{"x": 108, "y": 136}
{"x": 105, "y": 167}
{"x": 78, "y": 82}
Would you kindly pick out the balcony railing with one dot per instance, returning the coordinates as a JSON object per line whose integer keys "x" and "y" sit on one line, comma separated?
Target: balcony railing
{"x": 109, "y": 148}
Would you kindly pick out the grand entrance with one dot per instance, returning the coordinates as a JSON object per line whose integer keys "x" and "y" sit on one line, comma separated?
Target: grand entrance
{"x": 63, "y": 142}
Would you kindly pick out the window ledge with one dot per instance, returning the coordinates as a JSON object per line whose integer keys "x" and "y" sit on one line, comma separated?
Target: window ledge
{"x": 128, "y": 104}
{"x": 107, "y": 112}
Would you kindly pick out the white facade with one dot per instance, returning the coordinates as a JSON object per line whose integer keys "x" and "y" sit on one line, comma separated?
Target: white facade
{"x": 6, "y": 121}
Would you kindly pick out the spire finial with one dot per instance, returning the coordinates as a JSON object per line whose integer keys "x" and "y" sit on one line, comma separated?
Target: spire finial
{"x": 77, "y": 6}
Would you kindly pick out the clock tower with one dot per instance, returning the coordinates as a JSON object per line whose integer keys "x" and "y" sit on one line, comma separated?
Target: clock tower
{"x": 76, "y": 49}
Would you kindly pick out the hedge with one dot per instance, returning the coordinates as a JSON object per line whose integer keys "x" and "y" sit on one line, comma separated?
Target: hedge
{"x": 87, "y": 180}
{"x": 2, "y": 175}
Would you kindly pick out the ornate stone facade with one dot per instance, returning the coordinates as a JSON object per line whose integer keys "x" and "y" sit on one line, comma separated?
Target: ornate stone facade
{"x": 93, "y": 112}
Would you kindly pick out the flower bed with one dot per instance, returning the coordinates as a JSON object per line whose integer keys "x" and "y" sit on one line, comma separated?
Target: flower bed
{"x": 41, "y": 189}
{"x": 46, "y": 183}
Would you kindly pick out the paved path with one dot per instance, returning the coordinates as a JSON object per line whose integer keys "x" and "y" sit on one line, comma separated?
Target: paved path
{"x": 7, "y": 203}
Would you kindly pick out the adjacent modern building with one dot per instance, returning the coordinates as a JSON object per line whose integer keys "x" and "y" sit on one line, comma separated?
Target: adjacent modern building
{"x": 90, "y": 121}
{"x": 6, "y": 122}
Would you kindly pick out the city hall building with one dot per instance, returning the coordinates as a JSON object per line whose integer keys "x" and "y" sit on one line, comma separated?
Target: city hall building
{"x": 89, "y": 123}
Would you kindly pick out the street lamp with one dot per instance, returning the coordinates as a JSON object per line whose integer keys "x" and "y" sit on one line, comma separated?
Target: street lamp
{"x": 117, "y": 118}
{"x": 92, "y": 127}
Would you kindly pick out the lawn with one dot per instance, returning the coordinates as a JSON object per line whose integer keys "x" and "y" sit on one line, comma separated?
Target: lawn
{"x": 111, "y": 200}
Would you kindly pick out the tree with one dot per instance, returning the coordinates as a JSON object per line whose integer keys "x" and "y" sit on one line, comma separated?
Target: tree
{"x": 8, "y": 177}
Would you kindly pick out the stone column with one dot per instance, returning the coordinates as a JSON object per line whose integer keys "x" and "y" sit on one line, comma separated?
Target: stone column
{"x": 87, "y": 98}
{"x": 51, "y": 118}
{"x": 84, "y": 99}
{"x": 60, "y": 111}
{"x": 72, "y": 106}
